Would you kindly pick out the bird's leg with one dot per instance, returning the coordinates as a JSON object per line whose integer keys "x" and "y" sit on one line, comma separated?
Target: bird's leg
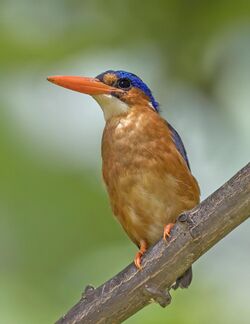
{"x": 167, "y": 230}
{"x": 139, "y": 254}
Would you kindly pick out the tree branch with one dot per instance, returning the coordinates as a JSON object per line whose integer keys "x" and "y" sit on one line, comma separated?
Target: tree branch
{"x": 196, "y": 231}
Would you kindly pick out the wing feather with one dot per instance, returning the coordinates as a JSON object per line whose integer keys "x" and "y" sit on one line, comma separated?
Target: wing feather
{"x": 179, "y": 144}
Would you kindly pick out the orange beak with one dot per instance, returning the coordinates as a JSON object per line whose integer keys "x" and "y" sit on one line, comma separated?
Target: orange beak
{"x": 89, "y": 86}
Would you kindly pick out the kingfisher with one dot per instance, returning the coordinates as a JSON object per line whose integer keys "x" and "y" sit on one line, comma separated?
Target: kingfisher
{"x": 144, "y": 162}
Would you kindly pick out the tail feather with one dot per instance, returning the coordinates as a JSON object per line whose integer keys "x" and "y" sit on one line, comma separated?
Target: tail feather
{"x": 185, "y": 280}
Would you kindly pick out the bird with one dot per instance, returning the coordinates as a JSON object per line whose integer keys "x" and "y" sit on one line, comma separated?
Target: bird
{"x": 144, "y": 162}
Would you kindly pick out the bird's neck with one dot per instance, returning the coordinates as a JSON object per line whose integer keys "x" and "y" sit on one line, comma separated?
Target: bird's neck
{"x": 111, "y": 106}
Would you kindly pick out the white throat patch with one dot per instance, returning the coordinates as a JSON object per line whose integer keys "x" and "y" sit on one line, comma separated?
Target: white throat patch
{"x": 111, "y": 106}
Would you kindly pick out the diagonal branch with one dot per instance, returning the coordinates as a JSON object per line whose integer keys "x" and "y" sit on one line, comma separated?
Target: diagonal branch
{"x": 195, "y": 232}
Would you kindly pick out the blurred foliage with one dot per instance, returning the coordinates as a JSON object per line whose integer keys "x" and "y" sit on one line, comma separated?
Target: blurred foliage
{"x": 181, "y": 29}
{"x": 56, "y": 229}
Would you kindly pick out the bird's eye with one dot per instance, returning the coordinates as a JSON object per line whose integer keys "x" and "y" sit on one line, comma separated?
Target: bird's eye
{"x": 124, "y": 83}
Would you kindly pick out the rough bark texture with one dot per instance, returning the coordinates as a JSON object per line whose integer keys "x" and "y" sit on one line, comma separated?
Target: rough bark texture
{"x": 195, "y": 232}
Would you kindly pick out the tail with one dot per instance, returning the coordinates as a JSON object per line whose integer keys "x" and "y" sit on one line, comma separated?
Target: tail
{"x": 185, "y": 280}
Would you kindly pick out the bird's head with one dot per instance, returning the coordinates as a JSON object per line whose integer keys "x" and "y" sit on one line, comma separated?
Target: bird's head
{"x": 115, "y": 91}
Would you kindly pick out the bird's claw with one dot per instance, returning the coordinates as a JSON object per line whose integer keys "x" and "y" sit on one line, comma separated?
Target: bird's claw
{"x": 139, "y": 254}
{"x": 167, "y": 231}
{"x": 137, "y": 260}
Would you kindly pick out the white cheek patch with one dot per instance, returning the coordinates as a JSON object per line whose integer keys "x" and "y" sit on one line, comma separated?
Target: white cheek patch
{"x": 111, "y": 106}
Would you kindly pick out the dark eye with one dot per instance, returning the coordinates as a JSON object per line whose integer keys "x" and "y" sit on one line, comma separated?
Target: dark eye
{"x": 124, "y": 83}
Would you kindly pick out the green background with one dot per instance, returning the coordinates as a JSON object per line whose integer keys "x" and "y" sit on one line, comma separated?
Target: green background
{"x": 57, "y": 233}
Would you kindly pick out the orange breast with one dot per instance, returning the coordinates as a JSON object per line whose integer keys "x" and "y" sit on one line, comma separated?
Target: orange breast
{"x": 147, "y": 179}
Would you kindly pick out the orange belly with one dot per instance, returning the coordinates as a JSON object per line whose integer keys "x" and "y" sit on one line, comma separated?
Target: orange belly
{"x": 148, "y": 181}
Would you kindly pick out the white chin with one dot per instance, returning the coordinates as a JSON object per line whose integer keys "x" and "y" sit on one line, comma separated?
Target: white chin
{"x": 111, "y": 106}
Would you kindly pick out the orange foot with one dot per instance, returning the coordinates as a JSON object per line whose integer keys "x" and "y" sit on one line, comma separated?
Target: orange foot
{"x": 167, "y": 230}
{"x": 138, "y": 256}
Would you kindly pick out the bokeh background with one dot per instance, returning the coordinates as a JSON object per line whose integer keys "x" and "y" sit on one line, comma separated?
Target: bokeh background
{"x": 56, "y": 229}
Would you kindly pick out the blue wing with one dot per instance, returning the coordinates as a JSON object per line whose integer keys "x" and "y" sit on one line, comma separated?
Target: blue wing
{"x": 179, "y": 144}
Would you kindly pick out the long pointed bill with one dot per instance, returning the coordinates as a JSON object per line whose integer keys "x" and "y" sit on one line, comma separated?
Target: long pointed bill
{"x": 89, "y": 86}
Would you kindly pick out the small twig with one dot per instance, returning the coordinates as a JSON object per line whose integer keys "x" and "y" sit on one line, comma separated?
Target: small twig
{"x": 160, "y": 296}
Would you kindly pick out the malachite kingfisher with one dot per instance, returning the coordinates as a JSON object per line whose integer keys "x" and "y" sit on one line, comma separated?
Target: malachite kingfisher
{"x": 144, "y": 162}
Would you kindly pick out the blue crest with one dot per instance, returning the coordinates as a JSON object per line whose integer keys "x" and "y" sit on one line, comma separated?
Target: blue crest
{"x": 136, "y": 82}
